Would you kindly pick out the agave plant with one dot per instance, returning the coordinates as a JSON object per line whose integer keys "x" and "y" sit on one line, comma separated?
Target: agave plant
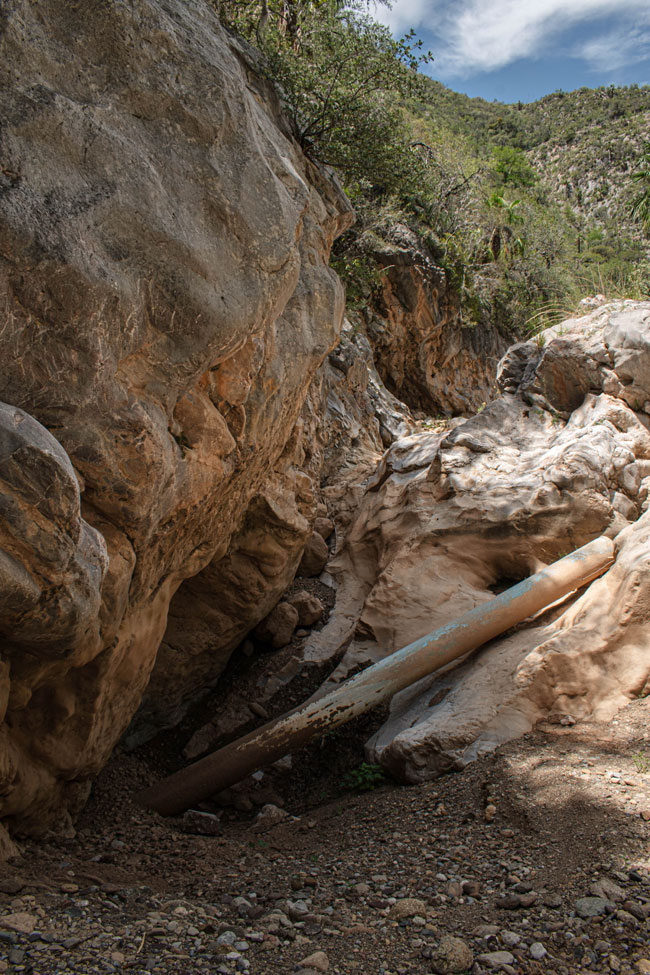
{"x": 641, "y": 203}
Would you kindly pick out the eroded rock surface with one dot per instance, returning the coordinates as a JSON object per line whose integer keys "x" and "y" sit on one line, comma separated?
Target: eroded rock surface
{"x": 166, "y": 303}
{"x": 450, "y": 518}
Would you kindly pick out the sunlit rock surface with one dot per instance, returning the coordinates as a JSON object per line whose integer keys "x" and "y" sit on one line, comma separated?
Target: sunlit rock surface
{"x": 449, "y": 518}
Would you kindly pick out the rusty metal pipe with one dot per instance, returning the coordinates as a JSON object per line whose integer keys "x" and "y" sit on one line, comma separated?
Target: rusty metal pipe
{"x": 235, "y": 761}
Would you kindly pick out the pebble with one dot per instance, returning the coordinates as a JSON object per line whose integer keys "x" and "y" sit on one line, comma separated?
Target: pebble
{"x": 471, "y": 888}
{"x": 594, "y": 906}
{"x": 317, "y": 961}
{"x": 407, "y": 907}
{"x": 202, "y": 823}
{"x": 268, "y": 816}
{"x": 608, "y": 890}
{"x": 509, "y": 902}
{"x": 496, "y": 959}
{"x": 551, "y": 900}
{"x": 21, "y": 921}
{"x": 259, "y": 710}
{"x": 527, "y": 900}
{"x": 635, "y": 910}
{"x": 537, "y": 951}
{"x": 296, "y": 909}
{"x": 11, "y": 885}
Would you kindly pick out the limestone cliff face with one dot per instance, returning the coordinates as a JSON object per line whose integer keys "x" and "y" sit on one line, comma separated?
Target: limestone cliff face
{"x": 425, "y": 354}
{"x": 166, "y": 302}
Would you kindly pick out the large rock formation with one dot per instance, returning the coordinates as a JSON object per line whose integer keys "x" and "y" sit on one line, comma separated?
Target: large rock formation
{"x": 177, "y": 407}
{"x": 451, "y": 518}
{"x": 166, "y": 302}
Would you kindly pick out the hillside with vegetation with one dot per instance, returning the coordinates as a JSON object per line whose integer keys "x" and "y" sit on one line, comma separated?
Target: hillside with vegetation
{"x": 524, "y": 207}
{"x": 568, "y": 161}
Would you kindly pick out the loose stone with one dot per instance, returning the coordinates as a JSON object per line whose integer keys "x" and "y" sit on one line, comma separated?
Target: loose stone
{"x": 451, "y": 956}
{"x": 496, "y": 959}
{"x": 594, "y": 906}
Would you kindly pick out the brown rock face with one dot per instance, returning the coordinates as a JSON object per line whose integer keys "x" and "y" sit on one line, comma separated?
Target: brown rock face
{"x": 166, "y": 303}
{"x": 213, "y": 611}
{"x": 423, "y": 352}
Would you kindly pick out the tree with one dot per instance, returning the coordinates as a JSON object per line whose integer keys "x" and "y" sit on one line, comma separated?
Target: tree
{"x": 512, "y": 167}
{"x": 340, "y": 76}
{"x": 340, "y": 86}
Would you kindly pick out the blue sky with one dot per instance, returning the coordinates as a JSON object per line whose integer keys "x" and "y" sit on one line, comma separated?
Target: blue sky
{"x": 523, "y": 49}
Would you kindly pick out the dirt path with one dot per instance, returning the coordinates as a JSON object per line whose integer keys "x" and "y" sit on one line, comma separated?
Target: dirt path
{"x": 505, "y": 856}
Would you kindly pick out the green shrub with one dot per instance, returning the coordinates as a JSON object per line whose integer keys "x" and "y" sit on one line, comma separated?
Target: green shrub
{"x": 364, "y": 778}
{"x": 512, "y": 166}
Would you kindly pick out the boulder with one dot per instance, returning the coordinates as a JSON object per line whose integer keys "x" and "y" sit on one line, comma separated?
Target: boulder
{"x": 452, "y": 517}
{"x": 324, "y": 527}
{"x": 277, "y": 628}
{"x": 309, "y": 607}
{"x": 52, "y": 563}
{"x": 314, "y": 557}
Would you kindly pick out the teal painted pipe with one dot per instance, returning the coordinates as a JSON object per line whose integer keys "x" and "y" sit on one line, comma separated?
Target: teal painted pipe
{"x": 235, "y": 761}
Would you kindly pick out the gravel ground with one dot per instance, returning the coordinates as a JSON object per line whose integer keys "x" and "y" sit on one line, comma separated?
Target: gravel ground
{"x": 533, "y": 860}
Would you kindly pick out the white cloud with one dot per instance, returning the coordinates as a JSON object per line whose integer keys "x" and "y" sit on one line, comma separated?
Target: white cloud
{"x": 478, "y": 36}
{"x": 617, "y": 49}
{"x": 404, "y": 14}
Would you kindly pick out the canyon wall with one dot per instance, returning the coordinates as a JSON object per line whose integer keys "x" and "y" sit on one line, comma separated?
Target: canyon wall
{"x": 166, "y": 303}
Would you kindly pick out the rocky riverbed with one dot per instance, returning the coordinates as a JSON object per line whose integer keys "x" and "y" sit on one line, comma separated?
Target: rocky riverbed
{"x": 534, "y": 859}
